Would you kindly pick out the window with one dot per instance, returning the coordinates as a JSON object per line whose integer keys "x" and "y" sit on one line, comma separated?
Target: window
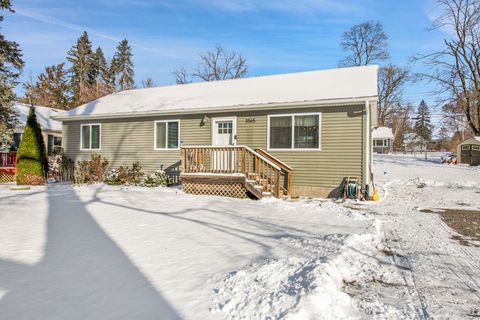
{"x": 54, "y": 144}
{"x": 466, "y": 147}
{"x": 167, "y": 135}
{"x": 476, "y": 148}
{"x": 380, "y": 143}
{"x": 17, "y": 138}
{"x": 297, "y": 131}
{"x": 90, "y": 136}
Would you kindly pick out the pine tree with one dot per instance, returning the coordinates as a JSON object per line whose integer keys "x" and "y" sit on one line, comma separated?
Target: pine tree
{"x": 110, "y": 75}
{"x": 124, "y": 66}
{"x": 51, "y": 89}
{"x": 102, "y": 75}
{"x": 11, "y": 65}
{"x": 82, "y": 74}
{"x": 32, "y": 163}
{"x": 422, "y": 125}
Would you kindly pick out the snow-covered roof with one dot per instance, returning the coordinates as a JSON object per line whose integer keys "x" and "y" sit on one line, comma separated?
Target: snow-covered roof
{"x": 474, "y": 140}
{"x": 334, "y": 84}
{"x": 382, "y": 133}
{"x": 44, "y": 115}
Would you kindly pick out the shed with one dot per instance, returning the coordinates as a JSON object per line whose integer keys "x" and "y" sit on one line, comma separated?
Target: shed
{"x": 469, "y": 151}
{"x": 382, "y": 140}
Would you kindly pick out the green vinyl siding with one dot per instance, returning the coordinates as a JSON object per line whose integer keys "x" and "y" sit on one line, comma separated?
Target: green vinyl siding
{"x": 124, "y": 141}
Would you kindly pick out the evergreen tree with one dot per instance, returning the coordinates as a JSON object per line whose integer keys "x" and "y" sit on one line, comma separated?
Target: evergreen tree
{"x": 11, "y": 65}
{"x": 32, "y": 163}
{"x": 82, "y": 73}
{"x": 124, "y": 66}
{"x": 102, "y": 75}
{"x": 110, "y": 74}
{"x": 51, "y": 89}
{"x": 422, "y": 125}
{"x": 99, "y": 66}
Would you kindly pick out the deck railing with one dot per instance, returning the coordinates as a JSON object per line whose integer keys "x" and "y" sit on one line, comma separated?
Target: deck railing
{"x": 235, "y": 159}
{"x": 8, "y": 159}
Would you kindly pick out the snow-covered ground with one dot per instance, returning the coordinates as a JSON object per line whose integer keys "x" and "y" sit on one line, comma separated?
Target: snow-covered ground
{"x": 100, "y": 252}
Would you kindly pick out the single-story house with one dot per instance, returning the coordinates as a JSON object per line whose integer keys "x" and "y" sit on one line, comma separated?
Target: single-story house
{"x": 300, "y": 134}
{"x": 468, "y": 151}
{"x": 382, "y": 140}
{"x": 51, "y": 129}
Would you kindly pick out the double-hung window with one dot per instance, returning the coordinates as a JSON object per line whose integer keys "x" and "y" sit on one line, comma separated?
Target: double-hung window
{"x": 91, "y": 135}
{"x": 167, "y": 135}
{"x": 294, "y": 132}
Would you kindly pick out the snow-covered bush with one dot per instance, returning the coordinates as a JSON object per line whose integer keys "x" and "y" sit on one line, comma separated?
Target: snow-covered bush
{"x": 60, "y": 167}
{"x": 113, "y": 177}
{"x": 91, "y": 171}
{"x": 125, "y": 176}
{"x": 157, "y": 179}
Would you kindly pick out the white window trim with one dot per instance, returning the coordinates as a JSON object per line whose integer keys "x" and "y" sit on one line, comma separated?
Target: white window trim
{"x": 213, "y": 138}
{"x": 166, "y": 135}
{"x": 319, "y": 114}
{"x": 466, "y": 147}
{"x": 99, "y": 136}
{"x": 476, "y": 148}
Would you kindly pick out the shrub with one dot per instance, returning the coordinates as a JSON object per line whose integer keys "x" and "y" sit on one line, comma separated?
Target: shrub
{"x": 91, "y": 171}
{"x": 124, "y": 175}
{"x": 136, "y": 174}
{"x": 157, "y": 179}
{"x": 31, "y": 158}
{"x": 60, "y": 167}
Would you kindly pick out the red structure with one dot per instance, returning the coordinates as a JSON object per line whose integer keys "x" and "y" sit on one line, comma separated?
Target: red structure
{"x": 8, "y": 166}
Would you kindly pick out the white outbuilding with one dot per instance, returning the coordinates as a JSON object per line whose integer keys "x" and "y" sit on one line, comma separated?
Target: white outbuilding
{"x": 382, "y": 140}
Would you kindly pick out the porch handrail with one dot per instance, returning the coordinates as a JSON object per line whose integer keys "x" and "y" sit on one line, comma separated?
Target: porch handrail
{"x": 285, "y": 167}
{"x": 258, "y": 169}
{"x": 277, "y": 161}
{"x": 236, "y": 147}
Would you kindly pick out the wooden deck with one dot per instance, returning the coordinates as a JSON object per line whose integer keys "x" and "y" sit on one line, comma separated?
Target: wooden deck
{"x": 234, "y": 171}
{"x": 8, "y": 166}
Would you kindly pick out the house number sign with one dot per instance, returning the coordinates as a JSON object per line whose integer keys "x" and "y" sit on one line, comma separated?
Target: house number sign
{"x": 250, "y": 120}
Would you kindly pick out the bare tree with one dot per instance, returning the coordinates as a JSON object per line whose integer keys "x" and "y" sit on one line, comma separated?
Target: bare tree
{"x": 454, "y": 120}
{"x": 456, "y": 68}
{"x": 391, "y": 80}
{"x": 365, "y": 43}
{"x": 218, "y": 64}
{"x": 148, "y": 83}
{"x": 181, "y": 76}
{"x": 221, "y": 64}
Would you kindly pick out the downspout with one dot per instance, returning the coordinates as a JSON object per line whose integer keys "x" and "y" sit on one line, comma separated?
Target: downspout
{"x": 367, "y": 151}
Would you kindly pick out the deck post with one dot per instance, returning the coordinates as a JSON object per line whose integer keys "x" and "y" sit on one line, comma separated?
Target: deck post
{"x": 277, "y": 183}
{"x": 184, "y": 159}
{"x": 244, "y": 165}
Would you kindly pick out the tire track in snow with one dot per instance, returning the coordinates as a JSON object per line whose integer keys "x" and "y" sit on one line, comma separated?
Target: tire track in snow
{"x": 453, "y": 264}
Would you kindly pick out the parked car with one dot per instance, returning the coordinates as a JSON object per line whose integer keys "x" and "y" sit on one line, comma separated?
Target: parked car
{"x": 449, "y": 158}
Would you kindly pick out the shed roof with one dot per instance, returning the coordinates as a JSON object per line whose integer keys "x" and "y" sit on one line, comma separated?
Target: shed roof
{"x": 382, "y": 133}
{"x": 44, "y": 115}
{"x": 344, "y": 83}
{"x": 471, "y": 140}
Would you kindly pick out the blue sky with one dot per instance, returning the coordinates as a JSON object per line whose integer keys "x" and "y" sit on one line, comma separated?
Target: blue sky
{"x": 275, "y": 36}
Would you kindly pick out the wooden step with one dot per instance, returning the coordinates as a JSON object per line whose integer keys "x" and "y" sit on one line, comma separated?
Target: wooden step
{"x": 252, "y": 188}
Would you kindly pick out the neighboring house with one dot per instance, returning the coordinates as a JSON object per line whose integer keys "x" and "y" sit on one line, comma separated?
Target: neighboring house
{"x": 468, "y": 151}
{"x": 51, "y": 129}
{"x": 382, "y": 140}
{"x": 227, "y": 136}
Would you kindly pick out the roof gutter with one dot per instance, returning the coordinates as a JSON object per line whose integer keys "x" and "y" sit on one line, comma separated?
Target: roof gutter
{"x": 239, "y": 108}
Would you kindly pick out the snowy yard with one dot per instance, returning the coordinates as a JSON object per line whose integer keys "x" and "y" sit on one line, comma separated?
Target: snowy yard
{"x": 100, "y": 252}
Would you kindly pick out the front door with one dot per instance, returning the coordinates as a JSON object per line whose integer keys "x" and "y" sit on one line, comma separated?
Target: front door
{"x": 224, "y": 134}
